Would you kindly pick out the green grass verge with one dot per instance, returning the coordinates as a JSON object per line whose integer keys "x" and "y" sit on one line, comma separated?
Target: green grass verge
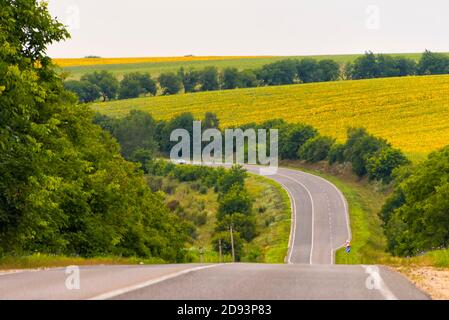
{"x": 37, "y": 261}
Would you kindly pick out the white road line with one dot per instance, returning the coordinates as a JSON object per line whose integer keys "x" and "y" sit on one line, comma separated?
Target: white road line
{"x": 292, "y": 238}
{"x": 115, "y": 293}
{"x": 313, "y": 211}
{"x": 378, "y": 282}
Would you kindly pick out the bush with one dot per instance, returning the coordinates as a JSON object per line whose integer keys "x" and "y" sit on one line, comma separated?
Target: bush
{"x": 243, "y": 224}
{"x": 382, "y": 164}
{"x": 106, "y": 83}
{"x": 337, "y": 153}
{"x": 316, "y": 149}
{"x": 293, "y": 137}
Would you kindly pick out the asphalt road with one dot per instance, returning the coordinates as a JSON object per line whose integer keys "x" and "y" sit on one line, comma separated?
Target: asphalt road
{"x": 320, "y": 226}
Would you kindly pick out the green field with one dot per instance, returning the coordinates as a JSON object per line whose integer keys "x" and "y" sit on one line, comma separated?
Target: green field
{"x": 156, "y": 68}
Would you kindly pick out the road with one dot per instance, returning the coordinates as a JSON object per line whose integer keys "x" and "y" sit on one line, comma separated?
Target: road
{"x": 320, "y": 226}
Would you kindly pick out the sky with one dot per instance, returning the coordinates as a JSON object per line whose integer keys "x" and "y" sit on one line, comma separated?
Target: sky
{"x": 151, "y": 28}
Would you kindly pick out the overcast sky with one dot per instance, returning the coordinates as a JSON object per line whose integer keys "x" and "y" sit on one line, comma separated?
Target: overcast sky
{"x": 133, "y": 28}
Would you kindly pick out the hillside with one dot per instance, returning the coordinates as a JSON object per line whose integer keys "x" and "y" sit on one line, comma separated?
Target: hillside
{"x": 155, "y": 66}
{"x": 409, "y": 112}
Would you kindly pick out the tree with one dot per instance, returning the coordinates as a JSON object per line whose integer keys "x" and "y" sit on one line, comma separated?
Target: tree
{"x": 234, "y": 177}
{"x": 236, "y": 200}
{"x": 247, "y": 79}
{"x": 84, "y": 90}
{"x": 316, "y": 149}
{"x": 365, "y": 67}
{"x": 64, "y": 188}
{"x": 308, "y": 71}
{"x": 416, "y": 215}
{"x": 433, "y": 63}
{"x": 329, "y": 69}
{"x": 243, "y": 224}
{"x": 105, "y": 81}
{"x": 231, "y": 78}
{"x": 360, "y": 146}
{"x": 135, "y": 84}
{"x": 209, "y": 79}
{"x": 292, "y": 137}
{"x": 170, "y": 83}
{"x": 189, "y": 79}
{"x": 211, "y": 121}
{"x": 381, "y": 165}
{"x": 278, "y": 73}
{"x": 224, "y": 238}
{"x": 135, "y": 132}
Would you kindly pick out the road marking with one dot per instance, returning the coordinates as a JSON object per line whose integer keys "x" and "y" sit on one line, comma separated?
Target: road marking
{"x": 313, "y": 211}
{"x": 293, "y": 224}
{"x": 115, "y": 293}
{"x": 380, "y": 284}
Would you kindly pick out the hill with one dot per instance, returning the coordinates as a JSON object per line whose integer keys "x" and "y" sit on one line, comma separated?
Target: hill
{"x": 411, "y": 112}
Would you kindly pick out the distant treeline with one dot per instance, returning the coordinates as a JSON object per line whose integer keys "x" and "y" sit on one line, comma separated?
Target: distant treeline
{"x": 104, "y": 85}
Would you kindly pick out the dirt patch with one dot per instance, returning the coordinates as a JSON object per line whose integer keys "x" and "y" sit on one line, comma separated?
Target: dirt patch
{"x": 433, "y": 281}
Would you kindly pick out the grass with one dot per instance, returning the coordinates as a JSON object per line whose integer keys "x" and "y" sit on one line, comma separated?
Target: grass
{"x": 410, "y": 112}
{"x": 155, "y": 66}
{"x": 273, "y": 211}
{"x": 37, "y": 261}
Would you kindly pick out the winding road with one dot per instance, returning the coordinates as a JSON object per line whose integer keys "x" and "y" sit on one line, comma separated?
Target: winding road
{"x": 320, "y": 226}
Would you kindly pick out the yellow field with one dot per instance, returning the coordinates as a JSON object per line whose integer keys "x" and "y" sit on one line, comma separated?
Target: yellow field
{"x": 412, "y": 113}
{"x": 77, "y": 62}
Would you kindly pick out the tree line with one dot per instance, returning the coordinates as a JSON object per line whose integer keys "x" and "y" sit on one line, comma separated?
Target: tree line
{"x": 105, "y": 86}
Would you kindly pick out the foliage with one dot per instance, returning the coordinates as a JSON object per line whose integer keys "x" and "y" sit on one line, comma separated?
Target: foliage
{"x": 135, "y": 84}
{"x": 316, "y": 149}
{"x": 105, "y": 81}
{"x": 64, "y": 188}
{"x": 85, "y": 91}
{"x": 170, "y": 83}
{"x": 416, "y": 215}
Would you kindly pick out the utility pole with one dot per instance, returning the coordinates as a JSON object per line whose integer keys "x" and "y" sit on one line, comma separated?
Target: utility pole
{"x": 220, "y": 250}
{"x": 232, "y": 244}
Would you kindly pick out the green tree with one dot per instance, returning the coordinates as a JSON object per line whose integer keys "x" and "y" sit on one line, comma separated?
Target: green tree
{"x": 416, "y": 215}
{"x": 278, "y": 73}
{"x": 170, "y": 83}
{"x": 135, "y": 84}
{"x": 105, "y": 81}
{"x": 316, "y": 149}
{"x": 231, "y": 78}
{"x": 84, "y": 90}
{"x": 293, "y": 137}
{"x": 209, "y": 79}
{"x": 190, "y": 79}
{"x": 245, "y": 225}
{"x": 381, "y": 165}
{"x": 224, "y": 238}
{"x": 64, "y": 188}
{"x": 329, "y": 69}
{"x": 433, "y": 63}
{"x": 236, "y": 200}
{"x": 308, "y": 71}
